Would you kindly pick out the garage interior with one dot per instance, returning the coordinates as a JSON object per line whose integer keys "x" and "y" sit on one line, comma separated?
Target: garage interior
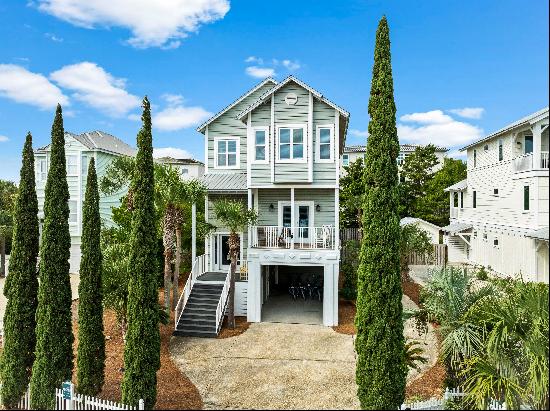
{"x": 292, "y": 294}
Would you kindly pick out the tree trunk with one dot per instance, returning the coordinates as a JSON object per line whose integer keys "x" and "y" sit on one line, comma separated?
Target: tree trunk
{"x": 2, "y": 256}
{"x": 177, "y": 268}
{"x": 233, "y": 252}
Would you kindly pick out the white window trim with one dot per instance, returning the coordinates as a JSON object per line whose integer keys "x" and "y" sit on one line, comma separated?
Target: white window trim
{"x": 267, "y": 144}
{"x": 318, "y": 158}
{"x": 74, "y": 223}
{"x": 238, "y": 160}
{"x": 42, "y": 176}
{"x": 311, "y": 205}
{"x": 304, "y": 142}
{"x": 77, "y": 164}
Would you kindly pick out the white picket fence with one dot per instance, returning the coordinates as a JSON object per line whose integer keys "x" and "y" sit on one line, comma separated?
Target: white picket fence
{"x": 78, "y": 402}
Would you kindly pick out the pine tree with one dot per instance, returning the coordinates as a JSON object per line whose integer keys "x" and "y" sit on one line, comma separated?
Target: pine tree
{"x": 381, "y": 370}
{"x": 21, "y": 289}
{"x": 142, "y": 349}
{"x": 91, "y": 341}
{"x": 54, "y": 335}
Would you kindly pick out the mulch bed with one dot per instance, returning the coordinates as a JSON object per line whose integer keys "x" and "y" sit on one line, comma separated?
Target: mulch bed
{"x": 174, "y": 390}
{"x": 241, "y": 325}
{"x": 412, "y": 290}
{"x": 346, "y": 317}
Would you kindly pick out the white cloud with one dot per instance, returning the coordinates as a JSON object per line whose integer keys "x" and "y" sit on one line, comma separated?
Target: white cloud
{"x": 437, "y": 128}
{"x": 469, "y": 112}
{"x": 134, "y": 117}
{"x": 173, "y": 99}
{"x": 53, "y": 37}
{"x": 3, "y": 139}
{"x": 260, "y": 72}
{"x": 359, "y": 133}
{"x": 152, "y": 23}
{"x": 291, "y": 65}
{"x": 254, "y": 59}
{"x": 23, "y": 86}
{"x": 171, "y": 152}
{"x": 94, "y": 86}
{"x": 177, "y": 116}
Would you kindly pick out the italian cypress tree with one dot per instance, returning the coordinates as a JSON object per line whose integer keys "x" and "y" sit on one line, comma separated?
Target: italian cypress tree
{"x": 54, "y": 335}
{"x": 381, "y": 370}
{"x": 21, "y": 289}
{"x": 142, "y": 349}
{"x": 91, "y": 341}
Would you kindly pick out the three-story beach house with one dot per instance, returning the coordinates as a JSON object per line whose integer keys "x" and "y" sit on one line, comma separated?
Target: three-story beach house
{"x": 79, "y": 149}
{"x": 499, "y": 214}
{"x": 277, "y": 149}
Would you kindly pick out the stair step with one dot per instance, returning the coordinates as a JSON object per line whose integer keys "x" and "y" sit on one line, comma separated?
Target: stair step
{"x": 193, "y": 327}
{"x": 181, "y": 333}
{"x": 203, "y": 300}
{"x": 210, "y": 294}
{"x": 198, "y": 318}
{"x": 197, "y": 325}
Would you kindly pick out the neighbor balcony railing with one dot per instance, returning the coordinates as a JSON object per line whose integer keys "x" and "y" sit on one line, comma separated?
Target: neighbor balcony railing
{"x": 528, "y": 162}
{"x": 323, "y": 237}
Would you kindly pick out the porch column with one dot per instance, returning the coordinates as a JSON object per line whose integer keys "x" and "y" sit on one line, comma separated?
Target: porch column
{"x": 451, "y": 204}
{"x": 254, "y": 293}
{"x": 336, "y": 219}
{"x": 330, "y": 295}
{"x": 250, "y": 206}
{"x": 537, "y": 142}
{"x": 193, "y": 232}
{"x": 292, "y": 219}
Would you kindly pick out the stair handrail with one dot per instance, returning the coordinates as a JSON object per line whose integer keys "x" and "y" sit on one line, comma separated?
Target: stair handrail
{"x": 198, "y": 269}
{"x": 220, "y": 309}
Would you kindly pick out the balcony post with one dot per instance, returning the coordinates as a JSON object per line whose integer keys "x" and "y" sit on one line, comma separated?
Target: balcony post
{"x": 249, "y": 239}
{"x": 336, "y": 219}
{"x": 292, "y": 217}
{"x": 451, "y": 203}
{"x": 537, "y": 141}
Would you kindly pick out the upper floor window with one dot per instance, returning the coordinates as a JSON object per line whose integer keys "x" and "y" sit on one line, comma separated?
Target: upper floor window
{"x": 73, "y": 211}
{"x": 495, "y": 191}
{"x": 325, "y": 144}
{"x": 528, "y": 146}
{"x": 261, "y": 148}
{"x": 291, "y": 144}
{"x": 42, "y": 169}
{"x": 500, "y": 150}
{"x": 72, "y": 165}
{"x": 345, "y": 159}
{"x": 184, "y": 171}
{"x": 475, "y": 158}
{"x": 526, "y": 198}
{"x": 486, "y": 147}
{"x": 474, "y": 199}
{"x": 84, "y": 162}
{"x": 226, "y": 152}
{"x": 462, "y": 199}
{"x": 400, "y": 158}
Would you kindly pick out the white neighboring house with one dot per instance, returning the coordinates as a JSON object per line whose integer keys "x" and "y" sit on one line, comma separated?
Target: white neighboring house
{"x": 499, "y": 214}
{"x": 188, "y": 168}
{"x": 352, "y": 153}
{"x": 79, "y": 148}
{"x": 432, "y": 229}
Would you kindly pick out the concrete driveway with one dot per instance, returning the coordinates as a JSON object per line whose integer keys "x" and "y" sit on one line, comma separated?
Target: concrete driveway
{"x": 272, "y": 366}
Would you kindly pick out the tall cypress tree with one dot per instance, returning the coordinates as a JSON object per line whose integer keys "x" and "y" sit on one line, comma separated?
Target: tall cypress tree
{"x": 54, "y": 335}
{"x": 21, "y": 288}
{"x": 381, "y": 371}
{"x": 91, "y": 341}
{"x": 142, "y": 349}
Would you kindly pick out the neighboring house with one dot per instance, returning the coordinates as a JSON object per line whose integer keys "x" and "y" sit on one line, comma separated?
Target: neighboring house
{"x": 432, "y": 229}
{"x": 276, "y": 149}
{"x": 188, "y": 168}
{"x": 352, "y": 153}
{"x": 499, "y": 214}
{"x": 79, "y": 148}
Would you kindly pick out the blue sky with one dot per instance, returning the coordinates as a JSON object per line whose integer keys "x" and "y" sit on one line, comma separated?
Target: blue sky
{"x": 461, "y": 68}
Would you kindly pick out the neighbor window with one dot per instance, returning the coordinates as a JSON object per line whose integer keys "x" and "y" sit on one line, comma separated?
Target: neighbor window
{"x": 474, "y": 199}
{"x": 528, "y": 147}
{"x": 462, "y": 199}
{"x": 500, "y": 150}
{"x": 495, "y": 191}
{"x": 73, "y": 211}
{"x": 260, "y": 144}
{"x": 84, "y": 162}
{"x": 324, "y": 143}
{"x": 400, "y": 158}
{"x": 72, "y": 165}
{"x": 475, "y": 158}
{"x": 42, "y": 169}
{"x": 345, "y": 160}
{"x": 495, "y": 242}
{"x": 526, "y": 198}
{"x": 227, "y": 152}
{"x": 184, "y": 171}
{"x": 485, "y": 236}
{"x": 486, "y": 147}
{"x": 291, "y": 143}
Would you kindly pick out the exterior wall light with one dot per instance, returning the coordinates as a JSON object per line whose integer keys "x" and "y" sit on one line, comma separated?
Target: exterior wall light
{"x": 271, "y": 207}
{"x": 318, "y": 207}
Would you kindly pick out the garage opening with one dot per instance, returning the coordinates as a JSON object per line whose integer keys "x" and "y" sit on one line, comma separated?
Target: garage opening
{"x": 292, "y": 294}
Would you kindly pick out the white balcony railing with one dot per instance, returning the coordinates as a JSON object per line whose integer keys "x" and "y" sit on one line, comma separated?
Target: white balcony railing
{"x": 199, "y": 268}
{"x": 293, "y": 237}
{"x": 527, "y": 162}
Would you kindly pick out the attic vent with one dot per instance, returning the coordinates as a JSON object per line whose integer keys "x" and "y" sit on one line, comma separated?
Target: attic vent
{"x": 291, "y": 99}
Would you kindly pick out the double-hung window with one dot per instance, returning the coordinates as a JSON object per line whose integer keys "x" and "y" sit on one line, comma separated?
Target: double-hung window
{"x": 325, "y": 144}
{"x": 345, "y": 160}
{"x": 226, "y": 152}
{"x": 42, "y": 169}
{"x": 73, "y": 211}
{"x": 261, "y": 145}
{"x": 84, "y": 162}
{"x": 291, "y": 144}
{"x": 72, "y": 165}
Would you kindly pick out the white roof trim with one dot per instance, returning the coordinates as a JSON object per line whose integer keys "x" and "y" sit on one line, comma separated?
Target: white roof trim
{"x": 290, "y": 78}
{"x": 460, "y": 186}
{"x": 521, "y": 122}
{"x": 201, "y": 128}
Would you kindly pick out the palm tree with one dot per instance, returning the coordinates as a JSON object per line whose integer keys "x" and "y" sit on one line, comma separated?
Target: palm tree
{"x": 236, "y": 217}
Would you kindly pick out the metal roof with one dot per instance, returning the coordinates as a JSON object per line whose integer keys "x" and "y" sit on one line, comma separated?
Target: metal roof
{"x": 540, "y": 234}
{"x": 101, "y": 141}
{"x": 454, "y": 228}
{"x": 413, "y": 220}
{"x": 201, "y": 128}
{"x": 461, "y": 185}
{"x": 172, "y": 160}
{"x": 224, "y": 182}
{"x": 521, "y": 122}
{"x": 403, "y": 148}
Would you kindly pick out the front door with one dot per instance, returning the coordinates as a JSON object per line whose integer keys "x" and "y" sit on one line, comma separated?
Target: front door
{"x": 224, "y": 260}
{"x": 301, "y": 223}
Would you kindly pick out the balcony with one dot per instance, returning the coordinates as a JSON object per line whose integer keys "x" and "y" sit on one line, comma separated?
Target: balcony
{"x": 293, "y": 237}
{"x": 528, "y": 162}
